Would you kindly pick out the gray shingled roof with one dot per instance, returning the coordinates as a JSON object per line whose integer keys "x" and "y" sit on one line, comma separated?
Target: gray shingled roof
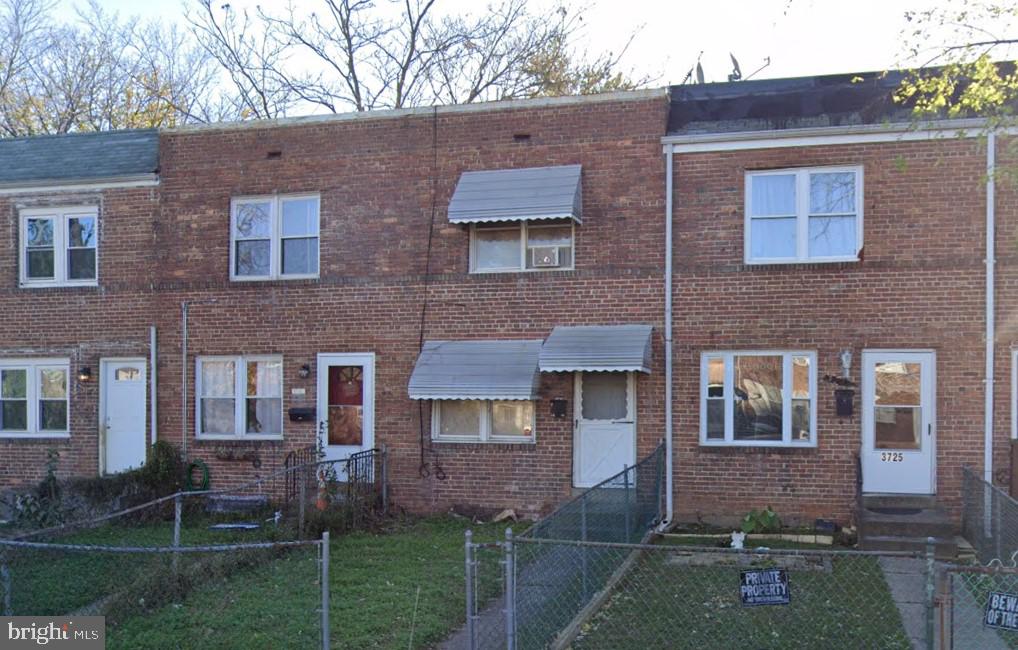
{"x": 505, "y": 370}
{"x": 612, "y": 348}
{"x": 517, "y": 194}
{"x": 84, "y": 156}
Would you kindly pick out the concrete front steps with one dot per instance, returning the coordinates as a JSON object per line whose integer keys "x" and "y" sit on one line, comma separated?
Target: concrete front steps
{"x": 891, "y": 522}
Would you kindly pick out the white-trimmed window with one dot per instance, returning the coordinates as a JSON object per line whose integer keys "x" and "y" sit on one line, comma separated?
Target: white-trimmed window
{"x": 239, "y": 397}
{"x": 482, "y": 420}
{"x": 521, "y": 246}
{"x": 804, "y": 215}
{"x": 273, "y": 237}
{"x": 758, "y": 398}
{"x": 34, "y": 399}
{"x": 59, "y": 246}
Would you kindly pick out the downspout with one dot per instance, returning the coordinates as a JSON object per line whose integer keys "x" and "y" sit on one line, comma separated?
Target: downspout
{"x": 669, "y": 453}
{"x": 990, "y": 313}
{"x": 153, "y": 356}
{"x": 183, "y": 374}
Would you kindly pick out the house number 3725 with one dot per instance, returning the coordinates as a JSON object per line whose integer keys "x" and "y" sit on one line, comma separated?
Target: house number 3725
{"x": 892, "y": 457}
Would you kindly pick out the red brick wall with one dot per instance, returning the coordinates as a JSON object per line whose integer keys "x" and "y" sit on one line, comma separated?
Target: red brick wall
{"x": 82, "y": 324}
{"x": 919, "y": 286}
{"x": 376, "y": 178}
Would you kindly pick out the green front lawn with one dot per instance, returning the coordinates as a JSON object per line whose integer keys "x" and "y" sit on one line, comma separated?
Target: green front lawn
{"x": 385, "y": 586}
{"x": 662, "y": 603}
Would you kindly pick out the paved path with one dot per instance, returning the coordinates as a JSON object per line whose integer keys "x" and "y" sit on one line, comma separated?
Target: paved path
{"x": 906, "y": 578}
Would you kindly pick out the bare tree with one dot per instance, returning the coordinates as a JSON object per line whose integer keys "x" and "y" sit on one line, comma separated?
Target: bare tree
{"x": 98, "y": 72}
{"x": 368, "y": 54}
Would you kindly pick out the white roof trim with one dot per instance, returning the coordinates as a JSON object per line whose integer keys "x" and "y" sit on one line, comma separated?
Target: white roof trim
{"x": 75, "y": 185}
{"x": 827, "y": 135}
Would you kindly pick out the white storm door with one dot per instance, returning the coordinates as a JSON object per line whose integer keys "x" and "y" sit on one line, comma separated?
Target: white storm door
{"x": 604, "y": 439}
{"x": 899, "y": 430}
{"x": 346, "y": 404}
{"x": 122, "y": 414}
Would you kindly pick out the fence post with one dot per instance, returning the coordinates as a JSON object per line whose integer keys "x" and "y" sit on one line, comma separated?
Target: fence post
{"x": 510, "y": 591}
{"x": 629, "y": 523}
{"x": 5, "y": 585}
{"x": 385, "y": 480}
{"x": 325, "y": 590}
{"x": 302, "y": 497}
{"x": 178, "y": 507}
{"x": 997, "y": 530}
{"x": 583, "y": 549}
{"x": 930, "y": 580}
{"x": 468, "y": 547}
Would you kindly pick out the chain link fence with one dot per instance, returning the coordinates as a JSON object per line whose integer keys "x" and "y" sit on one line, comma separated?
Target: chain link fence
{"x": 175, "y": 596}
{"x": 615, "y": 595}
{"x": 201, "y": 562}
{"x": 989, "y": 518}
{"x": 978, "y": 607}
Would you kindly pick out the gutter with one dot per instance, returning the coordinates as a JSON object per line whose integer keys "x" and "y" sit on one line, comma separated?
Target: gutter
{"x": 79, "y": 184}
{"x": 669, "y": 451}
{"x": 991, "y": 263}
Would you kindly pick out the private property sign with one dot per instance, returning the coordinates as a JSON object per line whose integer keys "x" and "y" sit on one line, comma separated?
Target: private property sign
{"x": 1001, "y": 611}
{"x": 765, "y": 587}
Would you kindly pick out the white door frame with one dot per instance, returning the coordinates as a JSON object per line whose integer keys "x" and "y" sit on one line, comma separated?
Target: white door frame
{"x": 578, "y": 419}
{"x": 103, "y": 364}
{"x": 365, "y": 360}
{"x": 928, "y": 432}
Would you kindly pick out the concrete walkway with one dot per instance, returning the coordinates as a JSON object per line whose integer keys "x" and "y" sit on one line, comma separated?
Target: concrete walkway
{"x": 906, "y": 579}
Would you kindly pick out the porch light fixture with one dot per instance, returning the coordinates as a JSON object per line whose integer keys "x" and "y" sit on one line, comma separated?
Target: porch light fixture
{"x": 85, "y": 374}
{"x": 846, "y": 362}
{"x": 305, "y": 371}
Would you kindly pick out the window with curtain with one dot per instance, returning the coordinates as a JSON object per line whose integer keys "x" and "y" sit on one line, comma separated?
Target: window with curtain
{"x": 804, "y": 215}
{"x": 483, "y": 420}
{"x": 239, "y": 397}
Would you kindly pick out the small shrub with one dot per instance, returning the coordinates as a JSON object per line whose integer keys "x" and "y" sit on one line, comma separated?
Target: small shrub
{"x": 761, "y": 521}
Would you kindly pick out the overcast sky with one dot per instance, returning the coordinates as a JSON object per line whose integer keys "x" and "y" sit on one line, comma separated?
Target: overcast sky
{"x": 801, "y": 37}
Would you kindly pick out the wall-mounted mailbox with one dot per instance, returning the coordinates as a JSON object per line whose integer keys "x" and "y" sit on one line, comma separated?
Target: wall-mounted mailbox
{"x": 843, "y": 398}
{"x": 558, "y": 407}
{"x": 302, "y": 414}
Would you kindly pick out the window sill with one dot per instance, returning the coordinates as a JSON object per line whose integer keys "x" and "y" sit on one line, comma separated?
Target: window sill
{"x": 269, "y": 278}
{"x": 793, "y": 262}
{"x": 57, "y": 285}
{"x": 529, "y": 442}
{"x": 227, "y": 438}
{"x": 741, "y": 447}
{"x": 35, "y": 436}
{"x": 550, "y": 269}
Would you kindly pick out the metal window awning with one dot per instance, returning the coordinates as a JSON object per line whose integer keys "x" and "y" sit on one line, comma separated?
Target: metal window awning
{"x": 517, "y": 195}
{"x": 611, "y": 348}
{"x": 502, "y": 370}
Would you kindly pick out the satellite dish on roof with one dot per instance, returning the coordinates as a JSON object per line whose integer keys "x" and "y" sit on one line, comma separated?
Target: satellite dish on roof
{"x": 736, "y": 70}
{"x": 699, "y": 73}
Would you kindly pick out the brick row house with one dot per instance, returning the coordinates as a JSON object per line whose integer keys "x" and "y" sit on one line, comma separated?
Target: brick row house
{"x": 489, "y": 292}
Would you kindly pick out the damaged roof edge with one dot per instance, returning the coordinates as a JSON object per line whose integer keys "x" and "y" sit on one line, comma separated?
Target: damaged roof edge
{"x": 448, "y": 109}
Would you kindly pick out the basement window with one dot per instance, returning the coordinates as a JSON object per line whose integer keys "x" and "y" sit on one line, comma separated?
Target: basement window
{"x": 239, "y": 397}
{"x": 34, "y": 400}
{"x": 59, "y": 246}
{"x": 482, "y": 421}
{"x": 803, "y": 215}
{"x": 758, "y": 398}
{"x": 521, "y": 246}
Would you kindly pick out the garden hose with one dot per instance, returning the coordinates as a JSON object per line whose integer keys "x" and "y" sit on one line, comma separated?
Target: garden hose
{"x": 189, "y": 478}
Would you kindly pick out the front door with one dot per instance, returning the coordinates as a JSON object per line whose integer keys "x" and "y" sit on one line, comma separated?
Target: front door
{"x": 604, "y": 440}
{"x": 346, "y": 404}
{"x": 899, "y": 429}
{"x": 122, "y": 414}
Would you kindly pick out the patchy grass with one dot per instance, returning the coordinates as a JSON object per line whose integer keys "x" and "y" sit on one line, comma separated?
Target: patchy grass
{"x": 385, "y": 586}
{"x": 661, "y": 602}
